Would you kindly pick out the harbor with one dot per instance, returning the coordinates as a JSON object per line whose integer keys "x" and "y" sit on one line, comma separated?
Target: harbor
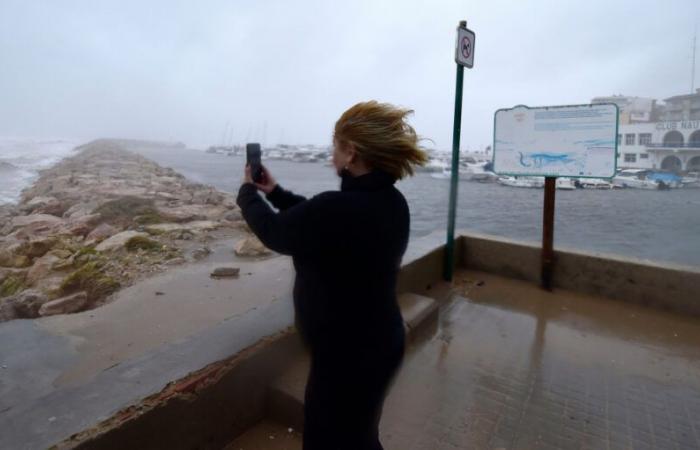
{"x": 350, "y": 226}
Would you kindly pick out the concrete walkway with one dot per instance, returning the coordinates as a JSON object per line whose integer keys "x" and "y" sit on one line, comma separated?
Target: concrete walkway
{"x": 514, "y": 367}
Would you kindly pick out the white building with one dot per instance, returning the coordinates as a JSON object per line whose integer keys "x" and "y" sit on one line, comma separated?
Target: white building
{"x": 672, "y": 145}
{"x": 633, "y": 109}
{"x": 669, "y": 141}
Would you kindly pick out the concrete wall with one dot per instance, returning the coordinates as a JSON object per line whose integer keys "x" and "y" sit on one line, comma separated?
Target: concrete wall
{"x": 203, "y": 410}
{"x": 668, "y": 287}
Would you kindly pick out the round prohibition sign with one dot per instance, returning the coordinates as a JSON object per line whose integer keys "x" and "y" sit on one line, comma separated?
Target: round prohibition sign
{"x": 466, "y": 47}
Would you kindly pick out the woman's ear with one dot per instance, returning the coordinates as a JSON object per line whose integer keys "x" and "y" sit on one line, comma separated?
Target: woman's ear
{"x": 351, "y": 152}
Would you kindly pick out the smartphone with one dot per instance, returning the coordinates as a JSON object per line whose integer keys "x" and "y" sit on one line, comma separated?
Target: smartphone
{"x": 253, "y": 159}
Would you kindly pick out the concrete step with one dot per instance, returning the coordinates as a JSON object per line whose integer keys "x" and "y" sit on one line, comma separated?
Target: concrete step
{"x": 267, "y": 435}
{"x": 285, "y": 395}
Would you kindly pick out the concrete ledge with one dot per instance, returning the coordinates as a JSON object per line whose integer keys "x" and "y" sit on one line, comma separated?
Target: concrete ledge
{"x": 423, "y": 261}
{"x": 668, "y": 287}
{"x": 417, "y": 310}
{"x": 203, "y": 410}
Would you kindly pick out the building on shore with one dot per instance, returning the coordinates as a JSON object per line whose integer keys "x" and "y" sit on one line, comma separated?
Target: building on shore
{"x": 658, "y": 136}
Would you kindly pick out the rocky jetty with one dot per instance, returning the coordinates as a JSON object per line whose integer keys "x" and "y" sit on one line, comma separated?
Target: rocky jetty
{"x": 96, "y": 222}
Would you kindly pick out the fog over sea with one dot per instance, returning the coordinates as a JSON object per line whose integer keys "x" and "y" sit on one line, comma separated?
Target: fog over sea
{"x": 660, "y": 226}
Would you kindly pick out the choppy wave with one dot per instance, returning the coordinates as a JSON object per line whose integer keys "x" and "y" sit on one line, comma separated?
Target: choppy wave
{"x": 21, "y": 159}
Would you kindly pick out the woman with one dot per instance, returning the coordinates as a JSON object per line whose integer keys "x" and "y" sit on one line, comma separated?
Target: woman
{"x": 347, "y": 247}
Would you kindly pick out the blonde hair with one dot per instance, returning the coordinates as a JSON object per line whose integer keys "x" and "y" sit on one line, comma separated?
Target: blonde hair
{"x": 382, "y": 137}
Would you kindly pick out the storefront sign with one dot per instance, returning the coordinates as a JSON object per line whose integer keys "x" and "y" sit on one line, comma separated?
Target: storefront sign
{"x": 679, "y": 125}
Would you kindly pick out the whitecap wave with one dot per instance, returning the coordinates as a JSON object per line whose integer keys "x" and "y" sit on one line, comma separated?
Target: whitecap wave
{"x": 21, "y": 159}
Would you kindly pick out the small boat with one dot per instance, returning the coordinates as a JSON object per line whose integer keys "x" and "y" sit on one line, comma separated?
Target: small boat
{"x": 594, "y": 183}
{"x": 634, "y": 178}
{"x": 691, "y": 180}
{"x": 565, "y": 184}
{"x": 477, "y": 172}
{"x": 522, "y": 182}
{"x": 647, "y": 179}
{"x": 434, "y": 166}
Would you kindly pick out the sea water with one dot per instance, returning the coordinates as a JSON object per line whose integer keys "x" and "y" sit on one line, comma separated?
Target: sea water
{"x": 662, "y": 226}
{"x": 21, "y": 159}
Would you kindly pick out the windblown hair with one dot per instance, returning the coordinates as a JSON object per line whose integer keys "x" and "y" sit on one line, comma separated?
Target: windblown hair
{"x": 382, "y": 137}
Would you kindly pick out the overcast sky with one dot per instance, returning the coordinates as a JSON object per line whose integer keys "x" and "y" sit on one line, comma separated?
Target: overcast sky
{"x": 283, "y": 71}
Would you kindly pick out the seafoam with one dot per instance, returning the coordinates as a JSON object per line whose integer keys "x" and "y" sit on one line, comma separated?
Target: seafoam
{"x": 21, "y": 159}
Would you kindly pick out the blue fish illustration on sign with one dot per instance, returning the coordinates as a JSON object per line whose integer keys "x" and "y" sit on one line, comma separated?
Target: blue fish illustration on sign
{"x": 540, "y": 160}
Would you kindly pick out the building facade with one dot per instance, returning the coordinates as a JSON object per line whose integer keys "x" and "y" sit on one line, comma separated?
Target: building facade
{"x": 669, "y": 140}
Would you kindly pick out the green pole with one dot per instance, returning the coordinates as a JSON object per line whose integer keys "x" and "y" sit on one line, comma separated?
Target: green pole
{"x": 454, "y": 180}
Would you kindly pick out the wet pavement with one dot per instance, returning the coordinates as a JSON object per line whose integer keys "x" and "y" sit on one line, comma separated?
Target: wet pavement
{"x": 514, "y": 367}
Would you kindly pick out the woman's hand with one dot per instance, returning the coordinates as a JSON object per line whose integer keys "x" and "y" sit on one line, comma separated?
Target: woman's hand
{"x": 268, "y": 182}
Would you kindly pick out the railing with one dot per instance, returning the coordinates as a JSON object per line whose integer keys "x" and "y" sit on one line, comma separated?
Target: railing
{"x": 675, "y": 145}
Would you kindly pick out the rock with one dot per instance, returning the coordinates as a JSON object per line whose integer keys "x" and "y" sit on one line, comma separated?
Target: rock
{"x": 99, "y": 234}
{"x": 200, "y": 253}
{"x": 185, "y": 213}
{"x": 206, "y": 196}
{"x": 50, "y": 285}
{"x": 142, "y": 243}
{"x": 225, "y": 272}
{"x": 27, "y": 304}
{"x": 175, "y": 261}
{"x": 166, "y": 195}
{"x": 118, "y": 241}
{"x": 40, "y": 202}
{"x": 229, "y": 201}
{"x": 80, "y": 210}
{"x": 41, "y": 268}
{"x": 195, "y": 226}
{"x": 7, "y": 311}
{"x": 91, "y": 278}
{"x": 61, "y": 253}
{"x": 241, "y": 225}
{"x": 251, "y": 246}
{"x": 9, "y": 259}
{"x": 71, "y": 245}
{"x": 36, "y": 247}
{"x": 233, "y": 216}
{"x": 12, "y": 282}
{"x": 83, "y": 225}
{"x": 183, "y": 235}
{"x": 65, "y": 305}
{"x": 34, "y": 219}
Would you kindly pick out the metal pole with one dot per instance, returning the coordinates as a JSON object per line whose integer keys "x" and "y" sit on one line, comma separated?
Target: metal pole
{"x": 550, "y": 184}
{"x": 454, "y": 180}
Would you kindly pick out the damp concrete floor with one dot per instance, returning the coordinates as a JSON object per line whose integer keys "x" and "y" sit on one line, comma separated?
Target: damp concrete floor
{"x": 511, "y": 366}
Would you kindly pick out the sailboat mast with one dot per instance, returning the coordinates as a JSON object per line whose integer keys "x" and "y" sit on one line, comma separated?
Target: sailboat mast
{"x": 692, "y": 72}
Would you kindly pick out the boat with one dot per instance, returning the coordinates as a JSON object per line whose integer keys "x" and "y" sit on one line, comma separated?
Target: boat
{"x": 565, "y": 184}
{"x": 479, "y": 171}
{"x": 522, "y": 182}
{"x": 634, "y": 178}
{"x": 647, "y": 179}
{"x": 433, "y": 165}
{"x": 691, "y": 180}
{"x": 594, "y": 183}
{"x": 274, "y": 154}
{"x": 665, "y": 180}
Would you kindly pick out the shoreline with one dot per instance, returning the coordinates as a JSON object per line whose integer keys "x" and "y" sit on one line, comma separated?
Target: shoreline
{"x": 99, "y": 221}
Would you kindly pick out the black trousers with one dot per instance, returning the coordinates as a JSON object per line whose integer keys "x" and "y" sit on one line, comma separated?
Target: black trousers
{"x": 345, "y": 393}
